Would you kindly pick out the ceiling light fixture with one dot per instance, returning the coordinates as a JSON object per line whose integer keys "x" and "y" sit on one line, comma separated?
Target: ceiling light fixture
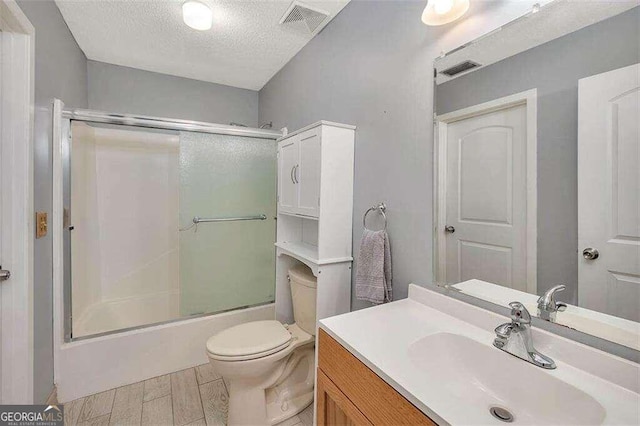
{"x": 197, "y": 15}
{"x": 440, "y": 12}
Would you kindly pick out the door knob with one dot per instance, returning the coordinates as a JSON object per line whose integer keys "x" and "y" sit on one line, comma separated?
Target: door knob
{"x": 590, "y": 253}
{"x": 4, "y": 274}
{"x": 449, "y": 229}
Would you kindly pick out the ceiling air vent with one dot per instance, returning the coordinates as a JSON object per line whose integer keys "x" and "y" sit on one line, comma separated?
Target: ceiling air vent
{"x": 303, "y": 18}
{"x": 461, "y": 67}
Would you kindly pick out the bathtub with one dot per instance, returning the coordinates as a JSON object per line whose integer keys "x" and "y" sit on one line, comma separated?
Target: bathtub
{"x": 101, "y": 363}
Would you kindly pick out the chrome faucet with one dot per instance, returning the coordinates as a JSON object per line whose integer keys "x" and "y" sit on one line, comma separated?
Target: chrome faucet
{"x": 547, "y": 305}
{"x": 515, "y": 338}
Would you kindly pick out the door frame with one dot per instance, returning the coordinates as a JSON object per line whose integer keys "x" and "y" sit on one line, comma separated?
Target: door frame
{"x": 16, "y": 133}
{"x": 441, "y": 122}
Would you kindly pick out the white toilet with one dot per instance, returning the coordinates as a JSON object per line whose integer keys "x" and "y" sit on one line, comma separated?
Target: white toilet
{"x": 269, "y": 366}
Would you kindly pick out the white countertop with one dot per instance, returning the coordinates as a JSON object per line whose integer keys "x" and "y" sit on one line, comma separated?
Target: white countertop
{"x": 380, "y": 338}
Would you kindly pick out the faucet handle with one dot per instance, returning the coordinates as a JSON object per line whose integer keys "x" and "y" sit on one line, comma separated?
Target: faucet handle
{"x": 519, "y": 314}
{"x": 504, "y": 330}
{"x": 548, "y": 302}
{"x": 555, "y": 289}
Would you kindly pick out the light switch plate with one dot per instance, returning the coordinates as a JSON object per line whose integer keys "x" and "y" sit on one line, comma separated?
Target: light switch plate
{"x": 41, "y": 224}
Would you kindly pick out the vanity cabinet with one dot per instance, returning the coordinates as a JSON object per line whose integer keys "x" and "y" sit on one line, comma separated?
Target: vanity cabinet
{"x": 349, "y": 393}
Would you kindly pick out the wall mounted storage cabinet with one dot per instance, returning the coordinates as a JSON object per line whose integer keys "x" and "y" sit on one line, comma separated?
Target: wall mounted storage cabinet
{"x": 315, "y": 213}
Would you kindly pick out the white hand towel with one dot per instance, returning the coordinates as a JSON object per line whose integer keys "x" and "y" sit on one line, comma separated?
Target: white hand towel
{"x": 373, "y": 275}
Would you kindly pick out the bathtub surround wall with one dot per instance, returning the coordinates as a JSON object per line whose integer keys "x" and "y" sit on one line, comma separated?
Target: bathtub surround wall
{"x": 577, "y": 55}
{"x": 373, "y": 67}
{"x": 60, "y": 72}
{"x": 115, "y": 88}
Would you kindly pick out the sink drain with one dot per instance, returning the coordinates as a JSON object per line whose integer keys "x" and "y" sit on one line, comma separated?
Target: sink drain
{"x": 501, "y": 414}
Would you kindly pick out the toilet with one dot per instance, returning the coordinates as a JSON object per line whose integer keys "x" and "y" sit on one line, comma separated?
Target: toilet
{"x": 269, "y": 366}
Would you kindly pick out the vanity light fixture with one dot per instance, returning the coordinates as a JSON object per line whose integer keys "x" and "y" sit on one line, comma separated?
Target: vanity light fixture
{"x": 197, "y": 15}
{"x": 440, "y": 12}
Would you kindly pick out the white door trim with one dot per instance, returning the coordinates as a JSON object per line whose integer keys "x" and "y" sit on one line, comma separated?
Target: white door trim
{"x": 527, "y": 98}
{"x": 16, "y": 133}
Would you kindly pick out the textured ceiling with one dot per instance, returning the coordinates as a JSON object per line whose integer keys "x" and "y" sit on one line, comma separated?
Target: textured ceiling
{"x": 245, "y": 47}
{"x": 554, "y": 20}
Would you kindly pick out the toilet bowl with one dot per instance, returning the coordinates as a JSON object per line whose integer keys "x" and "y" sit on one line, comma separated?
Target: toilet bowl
{"x": 269, "y": 366}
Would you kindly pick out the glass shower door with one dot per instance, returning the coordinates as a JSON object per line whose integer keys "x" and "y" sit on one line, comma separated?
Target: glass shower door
{"x": 228, "y": 264}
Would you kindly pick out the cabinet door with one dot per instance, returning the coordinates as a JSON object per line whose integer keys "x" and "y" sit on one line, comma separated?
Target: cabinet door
{"x": 334, "y": 408}
{"x": 287, "y": 187}
{"x": 307, "y": 173}
{"x": 370, "y": 395}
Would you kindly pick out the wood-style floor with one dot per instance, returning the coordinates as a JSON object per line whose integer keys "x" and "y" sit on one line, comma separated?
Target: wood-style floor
{"x": 195, "y": 397}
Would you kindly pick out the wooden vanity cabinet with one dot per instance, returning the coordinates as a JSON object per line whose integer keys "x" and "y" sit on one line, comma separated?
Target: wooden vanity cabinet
{"x": 349, "y": 393}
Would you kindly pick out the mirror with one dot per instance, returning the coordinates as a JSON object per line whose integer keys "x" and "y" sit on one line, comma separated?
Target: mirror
{"x": 538, "y": 167}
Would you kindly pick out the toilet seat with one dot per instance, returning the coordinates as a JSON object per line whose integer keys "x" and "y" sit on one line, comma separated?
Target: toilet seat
{"x": 248, "y": 341}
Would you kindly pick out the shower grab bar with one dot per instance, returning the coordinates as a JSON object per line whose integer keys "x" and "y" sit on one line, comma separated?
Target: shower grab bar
{"x": 197, "y": 219}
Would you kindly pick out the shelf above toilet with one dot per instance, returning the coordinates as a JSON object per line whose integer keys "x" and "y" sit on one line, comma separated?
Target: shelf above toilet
{"x": 307, "y": 254}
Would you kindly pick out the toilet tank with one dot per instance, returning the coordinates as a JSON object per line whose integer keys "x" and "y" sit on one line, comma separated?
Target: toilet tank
{"x": 303, "y": 292}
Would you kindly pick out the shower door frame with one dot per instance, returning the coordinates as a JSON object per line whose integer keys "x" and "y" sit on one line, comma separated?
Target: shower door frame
{"x": 62, "y": 119}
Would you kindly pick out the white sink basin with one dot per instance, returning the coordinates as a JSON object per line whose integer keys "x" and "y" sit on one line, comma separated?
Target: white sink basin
{"x": 437, "y": 352}
{"x": 479, "y": 377}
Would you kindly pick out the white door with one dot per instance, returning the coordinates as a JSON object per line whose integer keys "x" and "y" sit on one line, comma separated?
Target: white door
{"x": 287, "y": 187}
{"x": 486, "y": 198}
{"x": 3, "y": 277}
{"x": 307, "y": 173}
{"x": 16, "y": 208}
{"x": 609, "y": 192}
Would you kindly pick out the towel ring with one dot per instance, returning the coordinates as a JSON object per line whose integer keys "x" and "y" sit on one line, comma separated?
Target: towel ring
{"x": 381, "y": 208}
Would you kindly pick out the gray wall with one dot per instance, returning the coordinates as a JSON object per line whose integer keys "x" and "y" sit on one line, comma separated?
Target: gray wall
{"x": 372, "y": 67}
{"x": 128, "y": 90}
{"x": 554, "y": 70}
{"x": 61, "y": 72}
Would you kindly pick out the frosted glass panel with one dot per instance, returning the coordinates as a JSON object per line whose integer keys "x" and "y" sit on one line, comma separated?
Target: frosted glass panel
{"x": 226, "y": 265}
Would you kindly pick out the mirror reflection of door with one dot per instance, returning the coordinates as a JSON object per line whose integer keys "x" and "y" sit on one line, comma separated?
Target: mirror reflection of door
{"x": 609, "y": 192}
{"x": 485, "y": 195}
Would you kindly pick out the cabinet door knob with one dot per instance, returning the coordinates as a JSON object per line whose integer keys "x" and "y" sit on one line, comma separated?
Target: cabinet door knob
{"x": 291, "y": 174}
{"x": 295, "y": 172}
{"x": 449, "y": 229}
